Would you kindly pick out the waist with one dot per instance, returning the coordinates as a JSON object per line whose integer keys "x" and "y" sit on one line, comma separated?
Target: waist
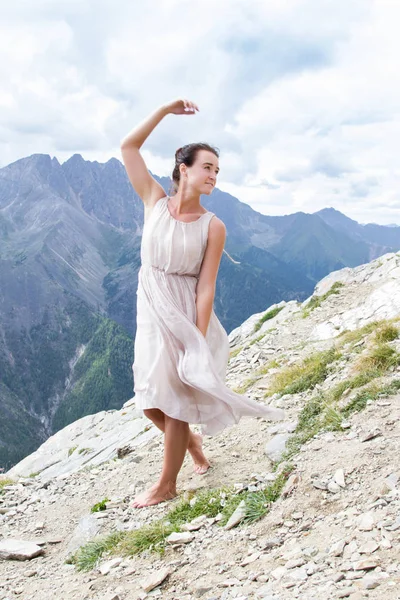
{"x": 167, "y": 272}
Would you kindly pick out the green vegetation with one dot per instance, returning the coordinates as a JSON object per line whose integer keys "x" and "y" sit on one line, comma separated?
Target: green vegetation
{"x": 235, "y": 352}
{"x": 84, "y": 450}
{"x": 387, "y": 333}
{"x": 152, "y": 537}
{"x": 102, "y": 378}
{"x": 379, "y": 359}
{"x": 248, "y": 383}
{"x": 102, "y": 505}
{"x": 304, "y": 376}
{"x": 72, "y": 450}
{"x": 268, "y": 315}
{"x": 353, "y": 337}
{"x": 3, "y": 482}
{"x": 257, "y": 339}
{"x": 316, "y": 301}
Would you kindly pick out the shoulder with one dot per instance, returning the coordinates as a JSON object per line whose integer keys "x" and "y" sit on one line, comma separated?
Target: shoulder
{"x": 216, "y": 234}
{"x": 217, "y": 228}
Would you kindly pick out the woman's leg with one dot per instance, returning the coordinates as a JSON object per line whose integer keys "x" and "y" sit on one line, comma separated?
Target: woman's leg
{"x": 176, "y": 439}
{"x": 195, "y": 445}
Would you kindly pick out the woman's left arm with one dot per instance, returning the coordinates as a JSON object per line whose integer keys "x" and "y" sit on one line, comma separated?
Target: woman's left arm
{"x": 205, "y": 289}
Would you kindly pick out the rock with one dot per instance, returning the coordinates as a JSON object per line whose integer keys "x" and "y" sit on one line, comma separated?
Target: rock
{"x": 278, "y": 573}
{"x": 12, "y": 549}
{"x": 368, "y": 547}
{"x": 337, "y": 548}
{"x": 291, "y": 484}
{"x": 196, "y": 524}
{"x": 371, "y": 435}
{"x": 365, "y": 564}
{"x": 155, "y": 579}
{"x": 106, "y": 567}
{"x": 369, "y": 582}
{"x": 176, "y": 539}
{"x": 345, "y": 592}
{"x": 295, "y": 562}
{"x": 333, "y": 487}
{"x": 366, "y": 522}
{"x": 269, "y": 543}
{"x": 250, "y": 559}
{"x": 285, "y": 427}
{"x": 319, "y": 485}
{"x": 87, "y": 528}
{"x": 275, "y": 448}
{"x": 237, "y": 516}
{"x": 339, "y": 478}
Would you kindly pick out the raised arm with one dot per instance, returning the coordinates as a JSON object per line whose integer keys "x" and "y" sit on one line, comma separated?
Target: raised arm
{"x": 149, "y": 190}
{"x": 205, "y": 289}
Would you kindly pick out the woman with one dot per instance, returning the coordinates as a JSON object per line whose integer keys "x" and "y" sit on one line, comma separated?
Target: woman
{"x": 181, "y": 348}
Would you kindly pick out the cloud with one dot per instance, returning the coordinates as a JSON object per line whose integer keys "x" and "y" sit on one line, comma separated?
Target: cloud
{"x": 300, "y": 96}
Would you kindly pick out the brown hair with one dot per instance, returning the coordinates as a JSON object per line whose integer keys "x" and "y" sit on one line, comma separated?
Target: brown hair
{"x": 187, "y": 155}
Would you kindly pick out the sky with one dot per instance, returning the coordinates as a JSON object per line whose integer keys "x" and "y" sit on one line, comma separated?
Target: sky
{"x": 302, "y": 97}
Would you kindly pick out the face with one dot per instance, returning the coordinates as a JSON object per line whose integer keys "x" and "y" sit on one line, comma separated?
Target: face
{"x": 202, "y": 175}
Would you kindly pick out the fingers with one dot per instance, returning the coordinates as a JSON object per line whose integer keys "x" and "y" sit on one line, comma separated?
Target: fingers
{"x": 189, "y": 107}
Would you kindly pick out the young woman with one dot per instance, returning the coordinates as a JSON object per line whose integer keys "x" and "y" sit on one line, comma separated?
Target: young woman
{"x": 181, "y": 348}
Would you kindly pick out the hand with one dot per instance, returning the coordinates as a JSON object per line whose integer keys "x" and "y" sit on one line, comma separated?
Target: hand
{"x": 182, "y": 106}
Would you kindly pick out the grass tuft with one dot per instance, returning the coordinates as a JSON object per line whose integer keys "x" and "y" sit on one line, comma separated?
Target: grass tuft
{"x": 380, "y": 358}
{"x": 316, "y": 301}
{"x": 102, "y": 505}
{"x": 87, "y": 556}
{"x": 268, "y": 315}
{"x": 152, "y": 537}
{"x": 304, "y": 376}
{"x": 235, "y": 352}
{"x": 149, "y": 537}
{"x": 3, "y": 482}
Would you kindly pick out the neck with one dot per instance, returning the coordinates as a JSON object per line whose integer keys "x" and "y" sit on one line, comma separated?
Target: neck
{"x": 186, "y": 202}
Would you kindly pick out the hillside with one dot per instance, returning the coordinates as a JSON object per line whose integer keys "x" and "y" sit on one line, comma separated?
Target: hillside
{"x": 320, "y": 491}
{"x": 69, "y": 261}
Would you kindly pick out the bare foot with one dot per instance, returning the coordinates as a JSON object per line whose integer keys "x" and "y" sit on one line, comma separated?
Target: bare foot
{"x": 154, "y": 495}
{"x": 201, "y": 464}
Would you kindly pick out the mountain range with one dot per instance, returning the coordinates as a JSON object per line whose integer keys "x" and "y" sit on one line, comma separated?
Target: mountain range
{"x": 69, "y": 259}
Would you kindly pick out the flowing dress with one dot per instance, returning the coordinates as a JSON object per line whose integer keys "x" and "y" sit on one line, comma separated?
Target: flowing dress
{"x": 176, "y": 369}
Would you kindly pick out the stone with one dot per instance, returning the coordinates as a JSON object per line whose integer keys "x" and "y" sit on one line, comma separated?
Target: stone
{"x": 345, "y": 592}
{"x": 250, "y": 559}
{"x": 365, "y": 564}
{"x": 333, "y": 487}
{"x": 319, "y": 485}
{"x": 339, "y": 478}
{"x": 88, "y": 527}
{"x": 371, "y": 435}
{"x": 176, "y": 539}
{"x": 290, "y": 485}
{"x": 237, "y": 516}
{"x": 337, "y": 548}
{"x": 368, "y": 547}
{"x": 106, "y": 567}
{"x": 369, "y": 582}
{"x": 12, "y": 549}
{"x": 278, "y": 573}
{"x": 295, "y": 562}
{"x": 276, "y": 447}
{"x": 366, "y": 522}
{"x": 155, "y": 579}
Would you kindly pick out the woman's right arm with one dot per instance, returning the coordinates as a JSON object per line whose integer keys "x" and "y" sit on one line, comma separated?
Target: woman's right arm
{"x": 143, "y": 183}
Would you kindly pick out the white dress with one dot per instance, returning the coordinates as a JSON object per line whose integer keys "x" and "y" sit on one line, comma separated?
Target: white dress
{"x": 176, "y": 369}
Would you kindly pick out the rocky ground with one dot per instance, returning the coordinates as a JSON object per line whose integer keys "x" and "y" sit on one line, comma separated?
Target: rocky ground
{"x": 333, "y": 533}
